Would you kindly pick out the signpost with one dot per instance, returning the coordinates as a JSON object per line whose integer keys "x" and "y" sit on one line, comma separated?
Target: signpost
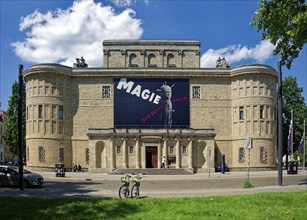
{"x": 209, "y": 155}
{"x": 249, "y": 146}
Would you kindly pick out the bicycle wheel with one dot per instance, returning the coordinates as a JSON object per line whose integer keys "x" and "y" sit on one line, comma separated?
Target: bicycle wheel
{"x": 123, "y": 192}
{"x": 135, "y": 192}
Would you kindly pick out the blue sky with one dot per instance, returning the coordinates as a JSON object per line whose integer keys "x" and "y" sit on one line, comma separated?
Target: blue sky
{"x": 59, "y": 31}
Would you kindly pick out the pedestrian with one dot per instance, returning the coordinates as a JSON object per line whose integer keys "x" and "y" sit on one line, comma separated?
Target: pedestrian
{"x": 75, "y": 168}
{"x": 163, "y": 162}
{"x": 169, "y": 161}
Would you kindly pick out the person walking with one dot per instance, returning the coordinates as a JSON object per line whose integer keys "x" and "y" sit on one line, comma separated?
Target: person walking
{"x": 163, "y": 162}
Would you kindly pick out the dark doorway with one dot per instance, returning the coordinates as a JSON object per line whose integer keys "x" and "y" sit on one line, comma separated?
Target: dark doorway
{"x": 151, "y": 157}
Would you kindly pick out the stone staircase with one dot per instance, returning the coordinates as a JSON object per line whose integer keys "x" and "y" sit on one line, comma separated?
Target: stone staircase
{"x": 153, "y": 171}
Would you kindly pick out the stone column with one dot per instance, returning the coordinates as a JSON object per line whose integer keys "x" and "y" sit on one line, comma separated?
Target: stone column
{"x": 164, "y": 147}
{"x": 161, "y": 52}
{"x": 143, "y": 155}
{"x": 180, "y": 53}
{"x": 125, "y": 153}
{"x": 92, "y": 148}
{"x": 137, "y": 153}
{"x": 190, "y": 153}
{"x": 112, "y": 153}
{"x": 177, "y": 153}
{"x": 160, "y": 154}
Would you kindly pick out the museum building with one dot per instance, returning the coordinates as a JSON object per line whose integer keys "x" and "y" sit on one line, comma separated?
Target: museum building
{"x": 150, "y": 99}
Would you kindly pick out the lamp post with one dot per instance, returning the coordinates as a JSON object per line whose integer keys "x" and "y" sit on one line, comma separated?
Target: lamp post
{"x": 280, "y": 133}
{"x": 20, "y": 157}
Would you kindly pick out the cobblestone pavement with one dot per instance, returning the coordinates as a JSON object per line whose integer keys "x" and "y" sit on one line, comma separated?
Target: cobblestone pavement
{"x": 88, "y": 185}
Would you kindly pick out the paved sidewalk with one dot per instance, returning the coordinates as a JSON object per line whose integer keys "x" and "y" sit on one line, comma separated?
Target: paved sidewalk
{"x": 215, "y": 175}
{"x": 97, "y": 185}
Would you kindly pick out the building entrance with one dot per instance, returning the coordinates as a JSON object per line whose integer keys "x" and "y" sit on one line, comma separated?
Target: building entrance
{"x": 151, "y": 157}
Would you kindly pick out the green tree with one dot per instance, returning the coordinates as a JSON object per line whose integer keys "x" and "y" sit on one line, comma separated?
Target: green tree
{"x": 284, "y": 23}
{"x": 11, "y": 132}
{"x": 293, "y": 100}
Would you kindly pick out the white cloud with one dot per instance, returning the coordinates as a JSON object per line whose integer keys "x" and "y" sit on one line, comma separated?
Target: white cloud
{"x": 62, "y": 35}
{"x": 236, "y": 53}
{"x": 125, "y": 3}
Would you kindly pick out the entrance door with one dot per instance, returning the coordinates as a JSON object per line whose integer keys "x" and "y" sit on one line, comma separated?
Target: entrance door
{"x": 151, "y": 157}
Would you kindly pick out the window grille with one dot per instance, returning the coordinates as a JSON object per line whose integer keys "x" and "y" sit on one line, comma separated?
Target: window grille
{"x": 106, "y": 92}
{"x": 263, "y": 155}
{"x": 241, "y": 155}
{"x": 41, "y": 154}
{"x": 196, "y": 92}
{"x": 61, "y": 154}
{"x": 87, "y": 156}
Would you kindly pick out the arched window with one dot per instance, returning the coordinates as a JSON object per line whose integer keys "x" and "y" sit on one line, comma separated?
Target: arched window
{"x": 170, "y": 60}
{"x": 132, "y": 60}
{"x": 151, "y": 60}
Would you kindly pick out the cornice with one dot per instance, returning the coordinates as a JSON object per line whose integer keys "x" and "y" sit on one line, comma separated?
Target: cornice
{"x": 48, "y": 68}
{"x": 151, "y": 72}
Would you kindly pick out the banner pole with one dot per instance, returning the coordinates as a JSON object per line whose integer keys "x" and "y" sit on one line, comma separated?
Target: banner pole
{"x": 304, "y": 148}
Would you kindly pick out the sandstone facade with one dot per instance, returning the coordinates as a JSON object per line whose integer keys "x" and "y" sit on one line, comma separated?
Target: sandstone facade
{"x": 70, "y": 112}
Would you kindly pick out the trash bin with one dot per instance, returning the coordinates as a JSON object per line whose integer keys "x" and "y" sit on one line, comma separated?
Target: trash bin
{"x": 60, "y": 170}
{"x": 292, "y": 167}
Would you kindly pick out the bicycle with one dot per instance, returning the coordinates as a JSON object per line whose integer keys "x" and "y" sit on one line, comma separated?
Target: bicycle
{"x": 135, "y": 191}
{"x": 124, "y": 189}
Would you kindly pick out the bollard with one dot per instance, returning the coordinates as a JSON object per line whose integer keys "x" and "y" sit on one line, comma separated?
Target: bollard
{"x": 223, "y": 164}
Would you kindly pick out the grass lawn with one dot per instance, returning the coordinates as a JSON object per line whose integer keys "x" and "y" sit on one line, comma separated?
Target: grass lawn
{"x": 289, "y": 205}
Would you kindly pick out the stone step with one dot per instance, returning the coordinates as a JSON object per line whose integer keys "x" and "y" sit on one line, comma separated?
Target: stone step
{"x": 153, "y": 171}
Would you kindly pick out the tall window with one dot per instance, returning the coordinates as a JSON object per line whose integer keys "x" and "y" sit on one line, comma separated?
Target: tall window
{"x": 61, "y": 154}
{"x": 241, "y": 113}
{"x": 241, "y": 154}
{"x": 40, "y": 111}
{"x": 261, "y": 112}
{"x": 130, "y": 149}
{"x": 196, "y": 92}
{"x": 171, "y": 149}
{"x": 118, "y": 149}
{"x": 184, "y": 149}
{"x": 170, "y": 60}
{"x": 87, "y": 156}
{"x": 61, "y": 113}
{"x": 41, "y": 154}
{"x": 28, "y": 153}
{"x": 151, "y": 60}
{"x": 132, "y": 60}
{"x": 106, "y": 92}
{"x": 263, "y": 155}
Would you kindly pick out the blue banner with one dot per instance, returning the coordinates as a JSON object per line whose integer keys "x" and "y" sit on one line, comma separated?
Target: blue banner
{"x": 151, "y": 103}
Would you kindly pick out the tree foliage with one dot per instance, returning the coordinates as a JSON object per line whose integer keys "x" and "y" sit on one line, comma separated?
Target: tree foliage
{"x": 284, "y": 23}
{"x": 11, "y": 132}
{"x": 293, "y": 100}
